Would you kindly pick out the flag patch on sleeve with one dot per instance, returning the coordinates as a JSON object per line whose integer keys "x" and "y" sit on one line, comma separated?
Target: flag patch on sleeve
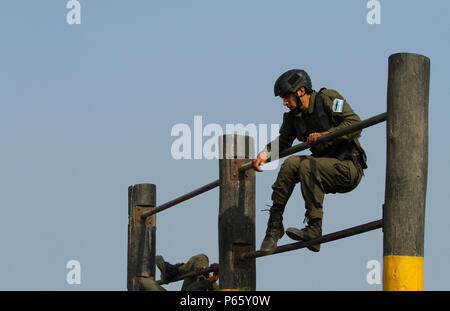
{"x": 338, "y": 104}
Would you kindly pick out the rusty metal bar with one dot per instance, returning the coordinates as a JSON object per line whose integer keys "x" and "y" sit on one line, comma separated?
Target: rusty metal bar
{"x": 349, "y": 129}
{"x": 289, "y": 247}
{"x": 190, "y": 274}
{"x": 182, "y": 198}
{"x": 300, "y": 147}
{"x": 323, "y": 239}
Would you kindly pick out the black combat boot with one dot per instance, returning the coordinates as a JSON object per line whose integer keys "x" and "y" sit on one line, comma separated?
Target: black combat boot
{"x": 312, "y": 231}
{"x": 275, "y": 229}
{"x": 168, "y": 271}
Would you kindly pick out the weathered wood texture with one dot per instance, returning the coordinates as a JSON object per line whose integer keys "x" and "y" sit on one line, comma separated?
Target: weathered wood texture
{"x": 407, "y": 154}
{"x": 236, "y": 214}
{"x": 141, "y": 234}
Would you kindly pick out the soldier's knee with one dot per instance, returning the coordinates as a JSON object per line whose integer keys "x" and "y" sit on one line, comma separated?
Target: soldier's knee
{"x": 291, "y": 162}
{"x": 306, "y": 167}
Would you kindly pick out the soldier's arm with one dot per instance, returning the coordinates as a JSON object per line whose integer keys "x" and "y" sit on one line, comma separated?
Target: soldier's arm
{"x": 283, "y": 141}
{"x": 286, "y": 137}
{"x": 342, "y": 114}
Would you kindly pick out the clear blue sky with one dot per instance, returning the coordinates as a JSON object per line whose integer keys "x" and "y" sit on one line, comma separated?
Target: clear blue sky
{"x": 87, "y": 110}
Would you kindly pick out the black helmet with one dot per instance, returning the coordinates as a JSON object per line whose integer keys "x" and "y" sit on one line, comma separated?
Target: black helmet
{"x": 291, "y": 81}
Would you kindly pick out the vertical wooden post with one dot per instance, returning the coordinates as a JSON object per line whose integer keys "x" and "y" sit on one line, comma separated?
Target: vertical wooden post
{"x": 406, "y": 172}
{"x": 236, "y": 213}
{"x": 141, "y": 234}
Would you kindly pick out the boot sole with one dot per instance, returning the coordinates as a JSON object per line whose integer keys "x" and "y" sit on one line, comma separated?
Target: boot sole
{"x": 268, "y": 251}
{"x": 159, "y": 261}
{"x": 297, "y": 235}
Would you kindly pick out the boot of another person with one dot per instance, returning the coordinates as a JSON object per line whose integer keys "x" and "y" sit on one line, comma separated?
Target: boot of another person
{"x": 275, "y": 229}
{"x": 312, "y": 231}
{"x": 168, "y": 271}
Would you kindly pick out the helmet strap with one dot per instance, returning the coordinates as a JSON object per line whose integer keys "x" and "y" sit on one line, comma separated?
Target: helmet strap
{"x": 298, "y": 99}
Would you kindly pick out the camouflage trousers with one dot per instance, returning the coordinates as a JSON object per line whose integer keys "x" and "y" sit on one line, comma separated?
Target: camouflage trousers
{"x": 316, "y": 176}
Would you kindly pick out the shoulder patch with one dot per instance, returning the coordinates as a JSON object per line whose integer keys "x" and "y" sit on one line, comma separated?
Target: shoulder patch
{"x": 338, "y": 104}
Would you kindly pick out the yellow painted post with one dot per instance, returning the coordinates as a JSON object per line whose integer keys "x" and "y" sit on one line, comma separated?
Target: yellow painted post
{"x": 406, "y": 172}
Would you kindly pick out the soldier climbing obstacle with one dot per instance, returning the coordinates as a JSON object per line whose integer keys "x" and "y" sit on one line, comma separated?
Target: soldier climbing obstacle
{"x": 169, "y": 272}
{"x": 335, "y": 166}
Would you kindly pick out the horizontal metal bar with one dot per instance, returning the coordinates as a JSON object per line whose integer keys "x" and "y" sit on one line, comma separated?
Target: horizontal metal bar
{"x": 323, "y": 239}
{"x": 289, "y": 247}
{"x": 303, "y": 146}
{"x": 344, "y": 131}
{"x": 182, "y": 198}
{"x": 190, "y": 274}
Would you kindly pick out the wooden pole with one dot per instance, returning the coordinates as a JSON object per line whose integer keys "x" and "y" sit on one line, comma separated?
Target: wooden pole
{"x": 406, "y": 172}
{"x": 141, "y": 234}
{"x": 236, "y": 213}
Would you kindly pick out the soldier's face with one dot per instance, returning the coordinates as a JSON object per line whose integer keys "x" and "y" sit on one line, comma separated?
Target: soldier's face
{"x": 289, "y": 101}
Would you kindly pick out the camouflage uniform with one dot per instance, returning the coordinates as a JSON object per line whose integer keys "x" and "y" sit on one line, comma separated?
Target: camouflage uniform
{"x": 195, "y": 283}
{"x": 328, "y": 169}
{"x": 198, "y": 282}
